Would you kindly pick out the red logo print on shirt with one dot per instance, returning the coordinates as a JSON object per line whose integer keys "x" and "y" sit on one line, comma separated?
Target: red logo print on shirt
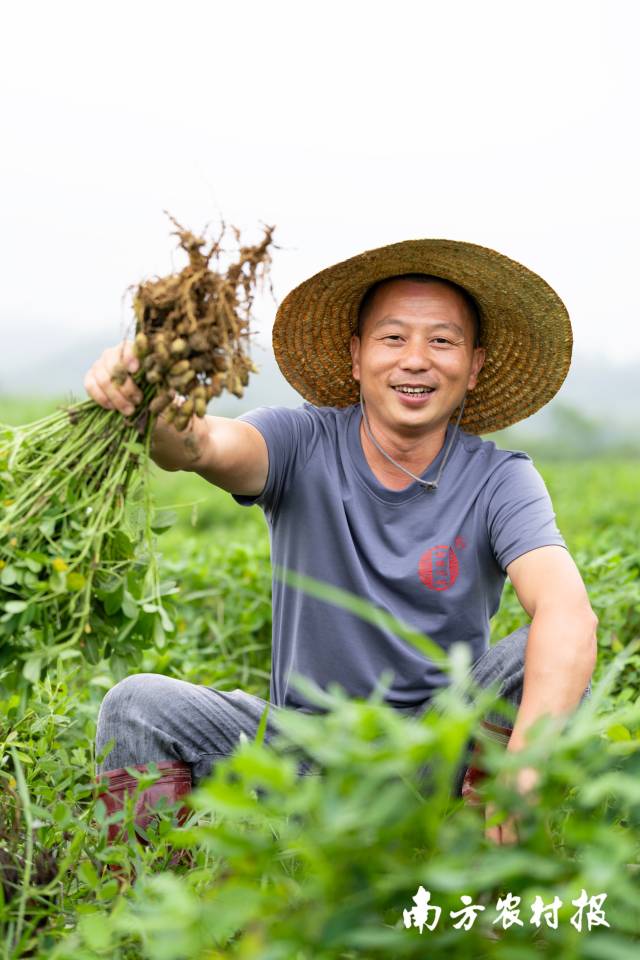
{"x": 438, "y": 567}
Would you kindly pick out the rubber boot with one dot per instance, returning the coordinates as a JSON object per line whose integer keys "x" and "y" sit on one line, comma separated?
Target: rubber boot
{"x": 476, "y": 772}
{"x": 174, "y": 782}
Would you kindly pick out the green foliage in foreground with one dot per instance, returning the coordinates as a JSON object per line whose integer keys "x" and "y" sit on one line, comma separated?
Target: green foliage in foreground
{"x": 323, "y": 866}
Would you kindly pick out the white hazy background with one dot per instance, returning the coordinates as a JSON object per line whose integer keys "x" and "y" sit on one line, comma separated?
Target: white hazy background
{"x": 349, "y": 125}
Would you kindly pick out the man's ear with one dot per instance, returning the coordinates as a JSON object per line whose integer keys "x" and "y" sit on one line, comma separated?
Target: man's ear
{"x": 477, "y": 364}
{"x": 355, "y": 356}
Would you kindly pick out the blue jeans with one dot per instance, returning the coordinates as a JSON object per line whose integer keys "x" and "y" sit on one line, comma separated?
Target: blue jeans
{"x": 153, "y": 717}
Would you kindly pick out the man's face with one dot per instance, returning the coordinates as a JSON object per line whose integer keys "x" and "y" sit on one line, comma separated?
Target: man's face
{"x": 415, "y": 335}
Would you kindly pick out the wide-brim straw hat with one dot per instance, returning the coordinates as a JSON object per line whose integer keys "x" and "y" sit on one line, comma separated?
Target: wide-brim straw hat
{"x": 526, "y": 330}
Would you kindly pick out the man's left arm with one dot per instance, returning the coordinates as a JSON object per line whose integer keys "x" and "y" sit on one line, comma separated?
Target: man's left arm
{"x": 560, "y": 655}
{"x": 562, "y": 645}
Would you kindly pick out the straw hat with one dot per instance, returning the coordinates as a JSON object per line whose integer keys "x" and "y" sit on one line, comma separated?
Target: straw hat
{"x": 526, "y": 329}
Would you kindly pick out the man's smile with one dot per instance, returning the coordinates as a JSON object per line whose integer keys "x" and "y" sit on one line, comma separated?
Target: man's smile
{"x": 413, "y": 387}
{"x": 413, "y": 396}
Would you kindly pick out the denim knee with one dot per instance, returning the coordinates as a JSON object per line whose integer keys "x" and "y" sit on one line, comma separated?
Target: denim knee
{"x": 127, "y": 715}
{"x": 118, "y": 700}
{"x": 128, "y": 701}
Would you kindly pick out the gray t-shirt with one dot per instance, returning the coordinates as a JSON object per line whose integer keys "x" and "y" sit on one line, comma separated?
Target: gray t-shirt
{"x": 435, "y": 560}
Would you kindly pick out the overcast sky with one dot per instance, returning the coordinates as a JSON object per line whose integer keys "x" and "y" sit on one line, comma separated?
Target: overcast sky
{"x": 347, "y": 124}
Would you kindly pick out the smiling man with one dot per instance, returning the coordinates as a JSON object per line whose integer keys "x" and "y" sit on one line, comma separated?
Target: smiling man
{"x": 418, "y": 336}
{"x": 381, "y": 485}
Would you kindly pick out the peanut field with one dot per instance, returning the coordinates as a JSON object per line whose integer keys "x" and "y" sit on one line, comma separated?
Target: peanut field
{"x": 321, "y": 868}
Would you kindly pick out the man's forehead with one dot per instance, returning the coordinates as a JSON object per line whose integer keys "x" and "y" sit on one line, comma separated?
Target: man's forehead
{"x": 421, "y": 289}
{"x": 437, "y": 299}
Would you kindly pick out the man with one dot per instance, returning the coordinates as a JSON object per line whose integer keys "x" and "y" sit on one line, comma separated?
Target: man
{"x": 394, "y": 498}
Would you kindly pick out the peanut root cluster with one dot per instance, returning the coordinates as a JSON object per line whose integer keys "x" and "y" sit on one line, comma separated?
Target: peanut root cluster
{"x": 193, "y": 327}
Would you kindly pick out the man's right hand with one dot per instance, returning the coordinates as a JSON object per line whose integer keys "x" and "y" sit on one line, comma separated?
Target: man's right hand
{"x": 231, "y": 454}
{"x": 168, "y": 449}
{"x": 104, "y": 390}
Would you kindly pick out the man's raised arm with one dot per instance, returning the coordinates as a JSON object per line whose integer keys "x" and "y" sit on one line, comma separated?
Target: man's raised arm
{"x": 229, "y": 453}
{"x": 233, "y": 455}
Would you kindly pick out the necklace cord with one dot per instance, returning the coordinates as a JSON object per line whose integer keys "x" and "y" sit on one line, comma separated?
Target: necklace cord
{"x": 430, "y": 485}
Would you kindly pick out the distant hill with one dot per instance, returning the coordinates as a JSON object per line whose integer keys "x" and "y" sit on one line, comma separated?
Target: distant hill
{"x": 45, "y": 371}
{"x": 604, "y": 392}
